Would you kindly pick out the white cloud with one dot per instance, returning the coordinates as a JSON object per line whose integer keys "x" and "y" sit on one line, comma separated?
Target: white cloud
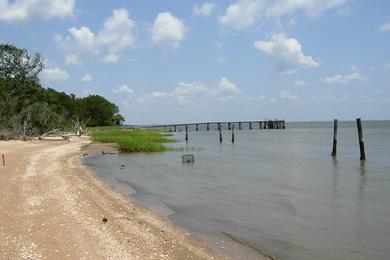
{"x": 385, "y": 27}
{"x": 80, "y": 43}
{"x": 117, "y": 32}
{"x": 110, "y": 58}
{"x": 87, "y": 78}
{"x": 244, "y": 13}
{"x": 23, "y": 10}
{"x": 227, "y": 87}
{"x": 309, "y": 7}
{"x": 116, "y": 35}
{"x": 286, "y": 53}
{"x": 285, "y": 94}
{"x": 300, "y": 83}
{"x": 192, "y": 94}
{"x": 387, "y": 65}
{"x": 52, "y": 74}
{"x": 344, "y": 79}
{"x": 124, "y": 89}
{"x": 168, "y": 29}
{"x": 241, "y": 14}
{"x": 205, "y": 9}
{"x": 72, "y": 59}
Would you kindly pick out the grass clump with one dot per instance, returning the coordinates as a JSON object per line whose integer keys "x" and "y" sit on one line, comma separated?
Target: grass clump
{"x": 131, "y": 141}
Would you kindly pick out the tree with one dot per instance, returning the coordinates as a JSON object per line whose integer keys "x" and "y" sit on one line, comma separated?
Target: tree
{"x": 98, "y": 108}
{"x": 18, "y": 64}
{"x": 117, "y": 119}
{"x": 26, "y": 108}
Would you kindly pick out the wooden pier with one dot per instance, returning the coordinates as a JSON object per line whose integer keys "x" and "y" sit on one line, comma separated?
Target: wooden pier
{"x": 208, "y": 126}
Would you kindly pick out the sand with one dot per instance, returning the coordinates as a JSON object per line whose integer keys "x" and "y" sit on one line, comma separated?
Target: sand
{"x": 52, "y": 207}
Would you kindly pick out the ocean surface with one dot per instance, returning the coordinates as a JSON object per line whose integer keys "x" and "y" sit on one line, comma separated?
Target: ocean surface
{"x": 275, "y": 191}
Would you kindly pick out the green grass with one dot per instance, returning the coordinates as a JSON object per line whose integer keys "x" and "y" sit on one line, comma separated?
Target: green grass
{"x": 131, "y": 141}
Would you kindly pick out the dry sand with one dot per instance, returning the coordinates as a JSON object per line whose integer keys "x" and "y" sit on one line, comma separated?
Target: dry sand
{"x": 52, "y": 207}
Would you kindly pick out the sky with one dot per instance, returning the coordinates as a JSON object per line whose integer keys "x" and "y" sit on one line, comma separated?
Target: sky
{"x": 176, "y": 61}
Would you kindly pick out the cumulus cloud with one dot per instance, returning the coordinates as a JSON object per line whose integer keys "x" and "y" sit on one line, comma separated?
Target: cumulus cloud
{"x": 117, "y": 32}
{"x": 124, "y": 89}
{"x": 385, "y": 27}
{"x": 339, "y": 79}
{"x": 205, "y": 9}
{"x": 110, "y": 58}
{"x": 168, "y": 29}
{"x": 241, "y": 14}
{"x": 115, "y": 36}
{"x": 286, "y": 53}
{"x": 227, "y": 87}
{"x": 87, "y": 78}
{"x": 53, "y": 74}
{"x": 192, "y": 94}
{"x": 244, "y": 13}
{"x": 24, "y": 10}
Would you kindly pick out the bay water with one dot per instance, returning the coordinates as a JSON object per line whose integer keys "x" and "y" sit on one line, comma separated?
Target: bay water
{"x": 273, "y": 191}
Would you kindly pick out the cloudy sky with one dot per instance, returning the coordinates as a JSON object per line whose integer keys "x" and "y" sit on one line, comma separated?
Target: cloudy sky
{"x": 177, "y": 61}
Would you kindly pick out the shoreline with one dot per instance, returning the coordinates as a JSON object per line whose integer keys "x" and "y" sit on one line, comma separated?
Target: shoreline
{"x": 55, "y": 207}
{"x": 225, "y": 244}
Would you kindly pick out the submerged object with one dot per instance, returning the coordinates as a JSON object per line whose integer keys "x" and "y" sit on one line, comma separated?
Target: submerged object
{"x": 188, "y": 158}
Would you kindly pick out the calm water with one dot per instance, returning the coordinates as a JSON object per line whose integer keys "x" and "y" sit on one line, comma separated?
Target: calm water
{"x": 276, "y": 190}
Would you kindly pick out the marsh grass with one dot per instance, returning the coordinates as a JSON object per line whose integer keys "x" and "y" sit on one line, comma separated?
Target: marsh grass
{"x": 132, "y": 141}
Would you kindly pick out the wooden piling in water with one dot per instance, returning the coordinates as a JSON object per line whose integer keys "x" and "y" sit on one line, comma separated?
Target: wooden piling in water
{"x": 239, "y": 126}
{"x": 361, "y": 143}
{"x": 208, "y": 126}
{"x": 229, "y": 126}
{"x": 187, "y": 133}
{"x": 197, "y": 127}
{"x": 3, "y": 159}
{"x": 220, "y": 133}
{"x": 233, "y": 133}
{"x": 250, "y": 125}
{"x": 334, "y": 150}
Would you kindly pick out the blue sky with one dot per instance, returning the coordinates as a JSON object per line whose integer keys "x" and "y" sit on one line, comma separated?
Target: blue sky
{"x": 177, "y": 61}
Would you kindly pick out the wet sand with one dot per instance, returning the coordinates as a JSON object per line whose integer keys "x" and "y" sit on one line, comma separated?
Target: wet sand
{"x": 55, "y": 208}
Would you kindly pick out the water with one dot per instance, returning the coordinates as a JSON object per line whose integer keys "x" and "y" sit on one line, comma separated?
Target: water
{"x": 277, "y": 190}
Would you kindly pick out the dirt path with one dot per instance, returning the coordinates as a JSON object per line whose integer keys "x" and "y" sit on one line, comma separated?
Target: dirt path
{"x": 53, "y": 208}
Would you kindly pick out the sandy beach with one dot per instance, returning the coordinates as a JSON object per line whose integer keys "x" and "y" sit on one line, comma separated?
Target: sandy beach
{"x": 54, "y": 208}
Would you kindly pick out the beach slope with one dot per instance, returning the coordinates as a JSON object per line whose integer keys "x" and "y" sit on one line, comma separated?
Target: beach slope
{"x": 54, "y": 208}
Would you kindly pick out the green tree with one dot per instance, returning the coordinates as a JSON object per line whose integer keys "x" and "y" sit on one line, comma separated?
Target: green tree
{"x": 117, "y": 119}
{"x": 98, "y": 109}
{"x": 18, "y": 64}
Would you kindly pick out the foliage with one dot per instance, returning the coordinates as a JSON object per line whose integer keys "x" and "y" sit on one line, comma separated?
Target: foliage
{"x": 27, "y": 108}
{"x": 131, "y": 141}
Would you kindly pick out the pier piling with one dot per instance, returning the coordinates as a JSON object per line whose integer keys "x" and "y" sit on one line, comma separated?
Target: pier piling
{"x": 239, "y": 126}
{"x": 361, "y": 143}
{"x": 250, "y": 125}
{"x": 186, "y": 133}
{"x": 334, "y": 150}
{"x": 233, "y": 133}
{"x": 220, "y": 132}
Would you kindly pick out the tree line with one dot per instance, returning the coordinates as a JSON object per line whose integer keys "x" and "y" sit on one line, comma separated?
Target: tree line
{"x": 29, "y": 109}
